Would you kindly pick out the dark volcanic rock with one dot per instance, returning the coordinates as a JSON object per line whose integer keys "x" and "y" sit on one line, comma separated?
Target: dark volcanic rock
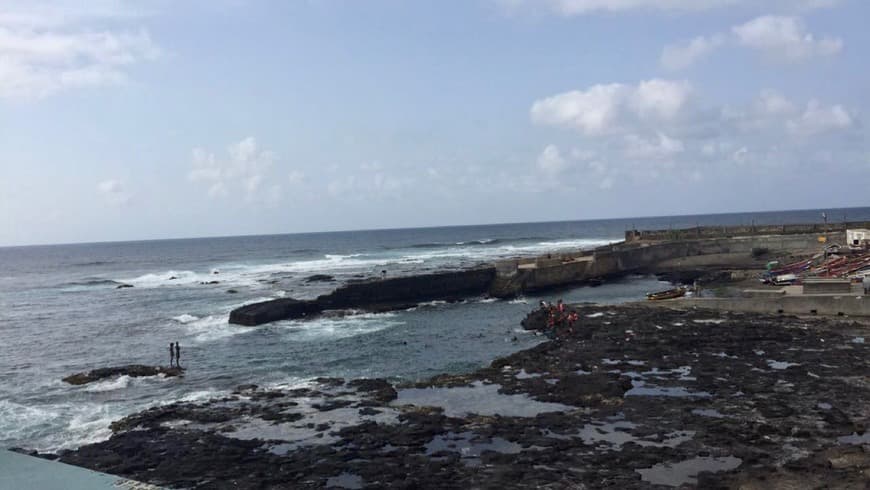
{"x": 122, "y": 286}
{"x": 320, "y": 278}
{"x": 374, "y": 295}
{"x": 749, "y": 401}
{"x": 133, "y": 370}
{"x": 274, "y": 310}
{"x": 378, "y": 389}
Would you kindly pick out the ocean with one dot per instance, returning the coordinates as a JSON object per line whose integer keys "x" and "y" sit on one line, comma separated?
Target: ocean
{"x": 61, "y": 312}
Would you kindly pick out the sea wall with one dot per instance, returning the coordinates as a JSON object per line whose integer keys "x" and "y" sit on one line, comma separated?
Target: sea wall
{"x": 518, "y": 276}
{"x": 702, "y": 232}
{"x": 509, "y": 278}
{"x": 833, "y": 305}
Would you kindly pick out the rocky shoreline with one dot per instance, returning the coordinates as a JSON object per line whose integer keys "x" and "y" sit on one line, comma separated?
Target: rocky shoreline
{"x": 634, "y": 397}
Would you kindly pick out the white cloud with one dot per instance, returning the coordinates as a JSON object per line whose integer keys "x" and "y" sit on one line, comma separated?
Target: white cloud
{"x": 45, "y": 48}
{"x": 818, "y": 118}
{"x": 659, "y": 138}
{"x": 246, "y": 167}
{"x": 678, "y": 56}
{"x": 772, "y": 103}
{"x": 114, "y": 192}
{"x": 740, "y": 156}
{"x": 779, "y": 38}
{"x": 584, "y": 7}
{"x": 784, "y": 39}
{"x": 603, "y": 109}
{"x": 550, "y": 161}
{"x": 375, "y": 182}
{"x": 660, "y": 148}
{"x": 295, "y": 177}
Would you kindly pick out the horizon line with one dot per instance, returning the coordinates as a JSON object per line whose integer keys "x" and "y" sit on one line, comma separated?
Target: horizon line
{"x": 212, "y": 237}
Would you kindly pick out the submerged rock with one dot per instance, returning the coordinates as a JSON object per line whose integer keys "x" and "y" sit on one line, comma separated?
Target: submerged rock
{"x": 132, "y": 370}
{"x": 320, "y": 278}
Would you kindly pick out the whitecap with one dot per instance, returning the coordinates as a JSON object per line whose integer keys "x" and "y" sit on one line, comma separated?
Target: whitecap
{"x": 339, "y": 327}
{"x": 185, "y": 318}
{"x": 213, "y": 327}
{"x": 118, "y": 383}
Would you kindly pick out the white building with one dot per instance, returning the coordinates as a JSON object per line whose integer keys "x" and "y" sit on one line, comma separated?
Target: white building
{"x": 857, "y": 236}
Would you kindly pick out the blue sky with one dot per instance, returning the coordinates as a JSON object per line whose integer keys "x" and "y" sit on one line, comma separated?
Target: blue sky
{"x": 155, "y": 119}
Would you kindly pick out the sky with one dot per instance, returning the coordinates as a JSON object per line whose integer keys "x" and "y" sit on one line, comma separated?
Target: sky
{"x": 149, "y": 119}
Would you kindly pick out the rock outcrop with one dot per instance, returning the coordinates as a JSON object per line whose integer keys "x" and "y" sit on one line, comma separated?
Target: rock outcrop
{"x": 373, "y": 295}
{"x": 636, "y": 397}
{"x": 132, "y": 370}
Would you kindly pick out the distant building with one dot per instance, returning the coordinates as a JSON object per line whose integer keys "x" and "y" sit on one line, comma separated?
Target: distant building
{"x": 857, "y": 237}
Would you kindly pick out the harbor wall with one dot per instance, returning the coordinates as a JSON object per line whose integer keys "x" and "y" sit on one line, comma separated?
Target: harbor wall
{"x": 833, "y": 305}
{"x": 704, "y": 232}
{"x": 515, "y": 277}
{"x": 509, "y": 278}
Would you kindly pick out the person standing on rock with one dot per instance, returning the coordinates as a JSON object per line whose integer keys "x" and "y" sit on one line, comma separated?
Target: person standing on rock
{"x": 171, "y": 353}
{"x": 178, "y": 354}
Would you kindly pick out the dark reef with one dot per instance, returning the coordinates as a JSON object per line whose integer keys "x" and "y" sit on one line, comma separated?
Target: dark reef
{"x": 633, "y": 397}
{"x": 132, "y": 370}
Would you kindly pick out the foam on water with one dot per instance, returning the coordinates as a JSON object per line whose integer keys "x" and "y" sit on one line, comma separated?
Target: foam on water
{"x": 338, "y": 327}
{"x": 185, "y": 318}
{"x": 85, "y": 423}
{"x": 212, "y": 327}
{"x": 118, "y": 383}
{"x": 251, "y": 275}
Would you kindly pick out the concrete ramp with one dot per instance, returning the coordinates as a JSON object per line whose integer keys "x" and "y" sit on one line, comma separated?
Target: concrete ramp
{"x": 23, "y": 472}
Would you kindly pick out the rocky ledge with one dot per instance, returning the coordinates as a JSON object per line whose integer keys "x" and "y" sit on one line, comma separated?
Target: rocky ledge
{"x": 376, "y": 295}
{"x": 633, "y": 397}
{"x": 132, "y": 370}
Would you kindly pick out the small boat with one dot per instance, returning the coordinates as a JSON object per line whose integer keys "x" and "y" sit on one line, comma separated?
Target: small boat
{"x": 669, "y": 294}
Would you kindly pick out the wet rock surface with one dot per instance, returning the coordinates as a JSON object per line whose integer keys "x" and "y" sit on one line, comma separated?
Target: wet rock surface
{"x": 633, "y": 397}
{"x": 132, "y": 370}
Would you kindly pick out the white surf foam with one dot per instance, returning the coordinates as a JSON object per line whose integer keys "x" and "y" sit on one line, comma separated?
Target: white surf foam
{"x": 253, "y": 275}
{"x": 339, "y": 328}
{"x": 212, "y": 327}
{"x": 118, "y": 383}
{"x": 56, "y": 426}
{"x": 185, "y": 318}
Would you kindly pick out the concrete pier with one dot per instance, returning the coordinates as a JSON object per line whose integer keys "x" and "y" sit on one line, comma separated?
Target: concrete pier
{"x": 23, "y": 472}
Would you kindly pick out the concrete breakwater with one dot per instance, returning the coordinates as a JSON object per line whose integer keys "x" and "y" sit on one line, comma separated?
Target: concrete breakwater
{"x": 508, "y": 278}
{"x": 700, "y": 232}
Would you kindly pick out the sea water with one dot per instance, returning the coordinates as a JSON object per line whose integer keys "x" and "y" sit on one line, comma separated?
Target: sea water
{"x": 61, "y": 312}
